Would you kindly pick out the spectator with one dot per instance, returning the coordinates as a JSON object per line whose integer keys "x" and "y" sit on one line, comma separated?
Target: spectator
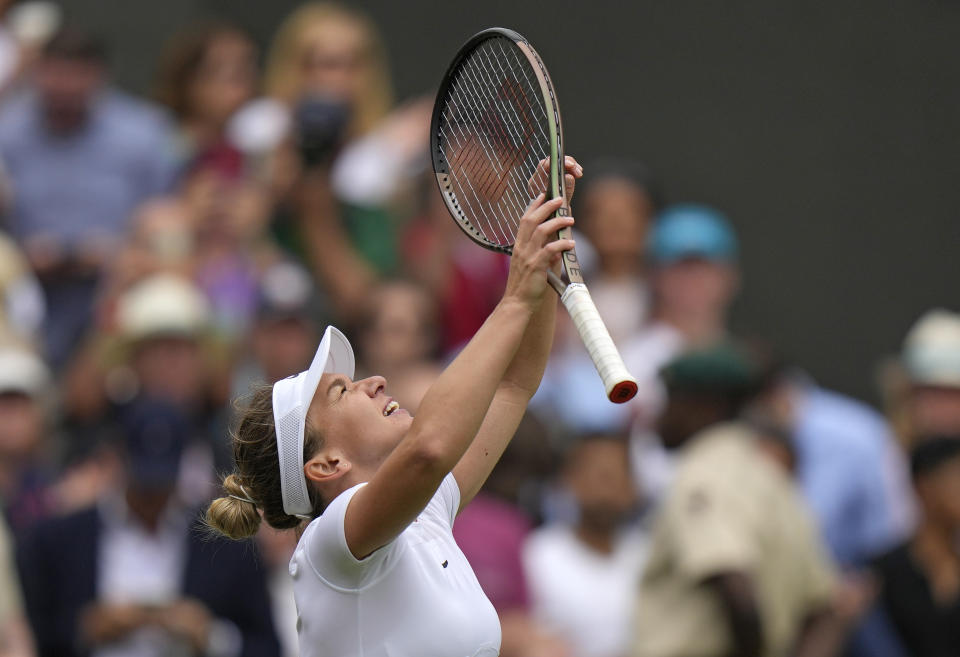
{"x": 207, "y": 73}
{"x": 614, "y": 211}
{"x": 285, "y": 331}
{"x": 327, "y": 67}
{"x": 848, "y": 464}
{"x": 80, "y": 156}
{"x": 692, "y": 254}
{"x": 26, "y": 452}
{"x": 924, "y": 393}
{"x": 735, "y": 563}
{"x": 327, "y": 49}
{"x": 137, "y": 574}
{"x": 920, "y": 580}
{"x": 583, "y": 577}
{"x": 162, "y": 348}
{"x": 398, "y": 340}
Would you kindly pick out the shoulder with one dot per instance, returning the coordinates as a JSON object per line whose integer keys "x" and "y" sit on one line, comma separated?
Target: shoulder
{"x": 16, "y": 115}
{"x": 894, "y": 560}
{"x": 133, "y": 117}
{"x": 830, "y": 411}
{"x": 714, "y": 451}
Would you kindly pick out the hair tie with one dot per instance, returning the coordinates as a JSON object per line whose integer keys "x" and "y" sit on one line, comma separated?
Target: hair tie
{"x": 243, "y": 499}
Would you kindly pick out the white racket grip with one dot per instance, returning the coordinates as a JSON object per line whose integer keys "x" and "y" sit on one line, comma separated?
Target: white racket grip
{"x": 619, "y": 385}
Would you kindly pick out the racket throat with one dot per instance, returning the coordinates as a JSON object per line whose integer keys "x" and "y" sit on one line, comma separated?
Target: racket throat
{"x": 556, "y": 282}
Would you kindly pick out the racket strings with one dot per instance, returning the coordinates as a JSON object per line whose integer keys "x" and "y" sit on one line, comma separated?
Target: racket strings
{"x": 493, "y": 136}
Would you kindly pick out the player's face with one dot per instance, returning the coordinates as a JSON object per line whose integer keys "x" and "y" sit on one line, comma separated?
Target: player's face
{"x": 358, "y": 417}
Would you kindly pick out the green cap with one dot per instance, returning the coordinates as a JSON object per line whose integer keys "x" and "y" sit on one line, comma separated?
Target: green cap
{"x": 722, "y": 368}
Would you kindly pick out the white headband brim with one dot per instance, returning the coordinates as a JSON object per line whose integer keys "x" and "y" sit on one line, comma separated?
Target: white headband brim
{"x": 291, "y": 401}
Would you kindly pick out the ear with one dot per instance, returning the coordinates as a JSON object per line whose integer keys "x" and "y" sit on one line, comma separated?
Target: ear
{"x": 326, "y": 466}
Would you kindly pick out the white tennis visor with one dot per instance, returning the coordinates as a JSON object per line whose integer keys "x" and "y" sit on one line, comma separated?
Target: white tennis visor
{"x": 291, "y": 401}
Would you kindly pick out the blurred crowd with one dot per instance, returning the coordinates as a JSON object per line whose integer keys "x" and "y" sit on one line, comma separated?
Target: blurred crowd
{"x": 160, "y": 255}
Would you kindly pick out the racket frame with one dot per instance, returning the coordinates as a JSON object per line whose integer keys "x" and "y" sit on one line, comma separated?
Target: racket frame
{"x": 569, "y": 285}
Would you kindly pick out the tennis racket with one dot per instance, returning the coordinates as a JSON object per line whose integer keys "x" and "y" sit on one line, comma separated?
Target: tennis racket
{"x": 495, "y": 120}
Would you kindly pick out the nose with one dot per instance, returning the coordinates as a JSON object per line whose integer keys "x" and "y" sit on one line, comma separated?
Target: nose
{"x": 372, "y": 385}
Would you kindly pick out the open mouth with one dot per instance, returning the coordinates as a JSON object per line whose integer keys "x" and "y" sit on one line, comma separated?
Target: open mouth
{"x": 391, "y": 408}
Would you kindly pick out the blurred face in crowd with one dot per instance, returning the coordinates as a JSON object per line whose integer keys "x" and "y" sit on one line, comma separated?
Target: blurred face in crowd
{"x": 399, "y": 329}
{"x": 282, "y": 346}
{"x": 335, "y": 60}
{"x": 696, "y": 286}
{"x": 225, "y": 78}
{"x": 939, "y": 492}
{"x": 934, "y": 409}
{"x": 687, "y": 413}
{"x": 598, "y": 475}
{"x": 617, "y": 215}
{"x": 67, "y": 88}
{"x": 21, "y": 425}
{"x": 170, "y": 368}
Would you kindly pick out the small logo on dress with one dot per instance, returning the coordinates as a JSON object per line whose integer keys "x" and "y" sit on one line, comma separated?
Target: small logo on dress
{"x": 445, "y": 562}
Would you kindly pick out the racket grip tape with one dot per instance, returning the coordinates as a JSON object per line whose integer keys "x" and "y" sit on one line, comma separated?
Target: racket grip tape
{"x": 619, "y": 385}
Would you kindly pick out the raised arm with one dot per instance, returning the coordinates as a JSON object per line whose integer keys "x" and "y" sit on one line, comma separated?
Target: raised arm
{"x": 519, "y": 384}
{"x": 455, "y": 406}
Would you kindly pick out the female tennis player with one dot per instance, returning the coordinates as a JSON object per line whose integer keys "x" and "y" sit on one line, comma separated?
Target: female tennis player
{"x": 376, "y": 571}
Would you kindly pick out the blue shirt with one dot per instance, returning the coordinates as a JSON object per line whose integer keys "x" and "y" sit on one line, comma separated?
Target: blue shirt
{"x": 852, "y": 474}
{"x": 87, "y": 183}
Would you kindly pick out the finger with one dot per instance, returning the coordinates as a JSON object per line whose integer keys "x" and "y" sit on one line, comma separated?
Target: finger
{"x": 537, "y": 215}
{"x": 571, "y": 165}
{"x": 569, "y": 183}
{"x": 548, "y": 229}
{"x": 552, "y": 249}
{"x": 526, "y": 227}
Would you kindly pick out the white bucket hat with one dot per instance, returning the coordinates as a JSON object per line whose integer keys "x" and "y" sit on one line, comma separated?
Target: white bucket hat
{"x": 291, "y": 401}
{"x": 931, "y": 350}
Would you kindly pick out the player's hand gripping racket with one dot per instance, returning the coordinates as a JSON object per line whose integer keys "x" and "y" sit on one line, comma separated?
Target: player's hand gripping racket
{"x": 496, "y": 118}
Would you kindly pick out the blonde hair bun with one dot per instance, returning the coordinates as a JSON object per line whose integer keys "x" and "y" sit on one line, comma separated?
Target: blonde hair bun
{"x": 234, "y": 518}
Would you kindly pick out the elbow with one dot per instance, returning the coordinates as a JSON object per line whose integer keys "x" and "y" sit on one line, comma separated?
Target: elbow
{"x": 431, "y": 455}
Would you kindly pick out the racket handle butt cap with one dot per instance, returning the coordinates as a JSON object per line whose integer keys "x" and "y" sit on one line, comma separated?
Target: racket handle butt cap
{"x": 623, "y": 391}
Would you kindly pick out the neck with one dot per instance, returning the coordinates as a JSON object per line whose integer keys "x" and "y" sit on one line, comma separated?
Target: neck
{"x": 620, "y": 266}
{"x": 600, "y": 540}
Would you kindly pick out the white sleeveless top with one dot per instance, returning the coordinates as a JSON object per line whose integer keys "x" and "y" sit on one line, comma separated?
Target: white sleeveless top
{"x": 415, "y": 597}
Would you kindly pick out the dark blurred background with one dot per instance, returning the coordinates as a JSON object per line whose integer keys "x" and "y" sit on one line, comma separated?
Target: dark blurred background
{"x": 826, "y": 131}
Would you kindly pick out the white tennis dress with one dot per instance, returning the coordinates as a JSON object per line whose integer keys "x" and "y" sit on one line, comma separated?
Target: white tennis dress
{"x": 415, "y": 597}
